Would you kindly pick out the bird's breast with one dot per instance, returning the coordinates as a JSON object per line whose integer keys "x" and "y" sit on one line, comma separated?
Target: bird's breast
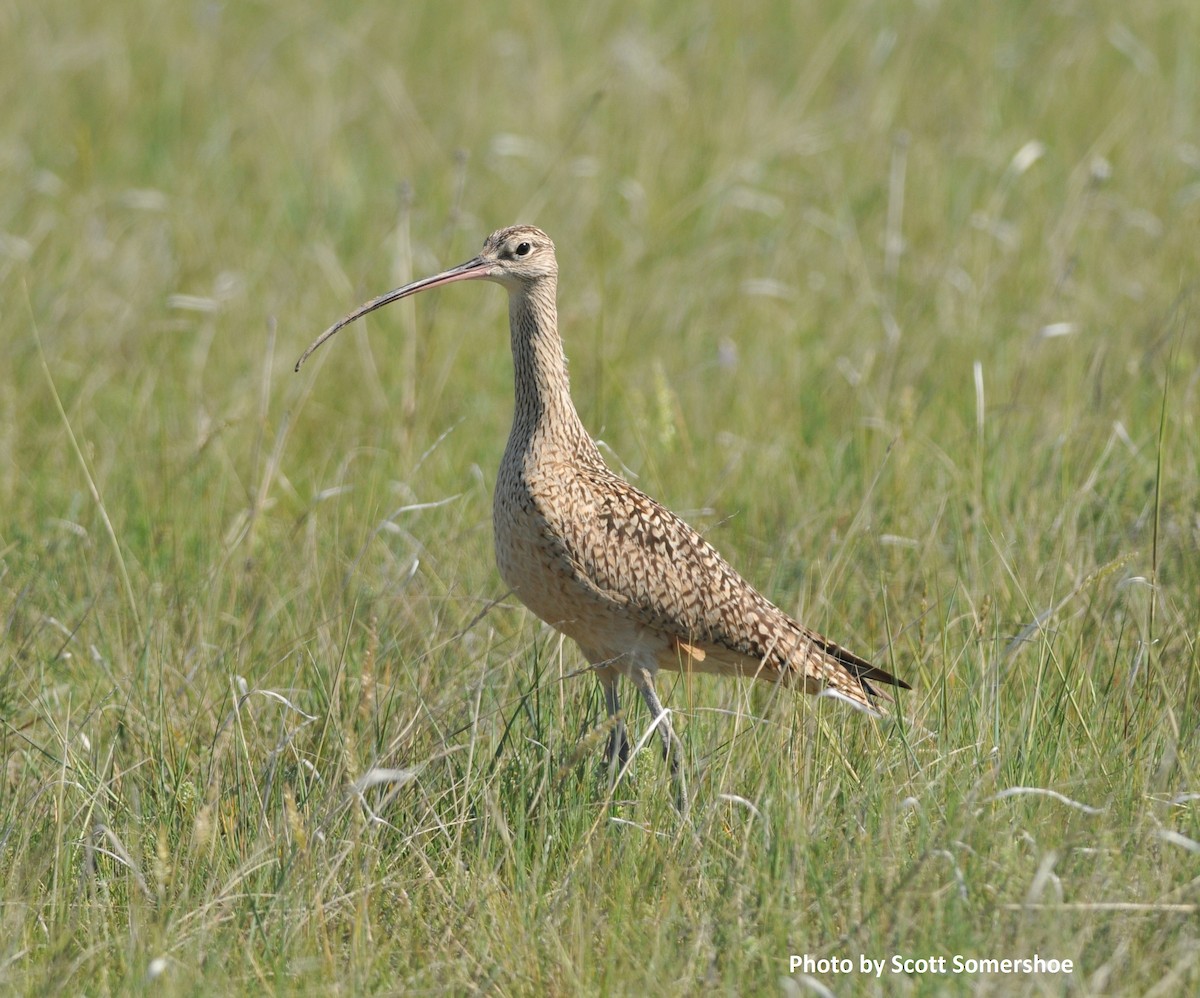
{"x": 538, "y": 514}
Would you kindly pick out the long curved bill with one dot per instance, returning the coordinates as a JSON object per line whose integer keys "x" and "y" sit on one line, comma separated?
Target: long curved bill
{"x": 471, "y": 270}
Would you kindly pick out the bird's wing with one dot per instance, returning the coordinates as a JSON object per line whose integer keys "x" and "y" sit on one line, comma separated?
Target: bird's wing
{"x": 643, "y": 557}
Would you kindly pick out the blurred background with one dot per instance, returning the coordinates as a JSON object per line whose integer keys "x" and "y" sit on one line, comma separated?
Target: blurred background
{"x": 895, "y": 302}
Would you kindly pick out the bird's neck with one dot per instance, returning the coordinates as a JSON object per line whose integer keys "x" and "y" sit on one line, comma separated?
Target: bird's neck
{"x": 544, "y": 410}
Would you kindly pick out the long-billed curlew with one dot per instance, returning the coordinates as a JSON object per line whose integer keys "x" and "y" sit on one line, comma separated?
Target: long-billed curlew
{"x": 636, "y": 587}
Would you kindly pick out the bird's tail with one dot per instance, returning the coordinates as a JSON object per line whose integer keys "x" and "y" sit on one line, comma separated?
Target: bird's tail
{"x": 866, "y": 675}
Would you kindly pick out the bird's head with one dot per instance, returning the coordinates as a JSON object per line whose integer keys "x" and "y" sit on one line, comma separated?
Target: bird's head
{"x": 517, "y": 257}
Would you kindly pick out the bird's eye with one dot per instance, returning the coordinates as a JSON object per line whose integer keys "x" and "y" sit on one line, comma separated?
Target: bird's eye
{"x": 523, "y": 249}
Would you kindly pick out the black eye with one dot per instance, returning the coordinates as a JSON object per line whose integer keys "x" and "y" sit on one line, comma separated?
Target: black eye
{"x": 523, "y": 249}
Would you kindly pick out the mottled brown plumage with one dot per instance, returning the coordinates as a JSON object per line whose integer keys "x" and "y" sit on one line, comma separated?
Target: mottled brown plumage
{"x": 635, "y": 586}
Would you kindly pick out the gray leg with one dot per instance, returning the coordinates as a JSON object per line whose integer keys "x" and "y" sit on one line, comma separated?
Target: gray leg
{"x": 672, "y": 747}
{"x": 617, "y": 753}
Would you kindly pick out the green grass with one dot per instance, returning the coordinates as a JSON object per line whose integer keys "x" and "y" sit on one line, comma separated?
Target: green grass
{"x": 811, "y": 255}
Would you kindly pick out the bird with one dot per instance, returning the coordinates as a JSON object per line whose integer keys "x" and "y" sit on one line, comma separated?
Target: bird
{"x": 635, "y": 587}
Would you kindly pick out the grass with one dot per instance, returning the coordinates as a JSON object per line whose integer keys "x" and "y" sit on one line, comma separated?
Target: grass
{"x": 897, "y": 303}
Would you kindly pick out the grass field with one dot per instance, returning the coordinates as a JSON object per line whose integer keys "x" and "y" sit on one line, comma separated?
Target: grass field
{"x": 896, "y": 302}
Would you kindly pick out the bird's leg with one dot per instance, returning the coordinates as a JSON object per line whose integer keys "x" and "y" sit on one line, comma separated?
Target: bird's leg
{"x": 672, "y": 747}
{"x": 616, "y": 756}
